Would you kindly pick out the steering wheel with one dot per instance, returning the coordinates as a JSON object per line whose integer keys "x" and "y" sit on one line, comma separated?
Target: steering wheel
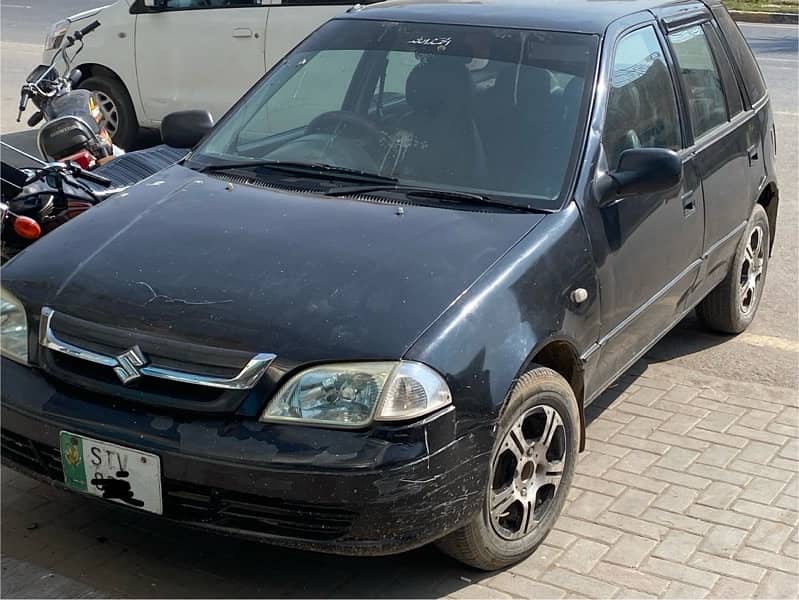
{"x": 347, "y": 124}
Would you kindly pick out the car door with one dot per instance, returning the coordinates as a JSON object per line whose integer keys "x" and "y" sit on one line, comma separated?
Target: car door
{"x": 198, "y": 53}
{"x": 647, "y": 247}
{"x": 725, "y": 142}
{"x": 290, "y": 22}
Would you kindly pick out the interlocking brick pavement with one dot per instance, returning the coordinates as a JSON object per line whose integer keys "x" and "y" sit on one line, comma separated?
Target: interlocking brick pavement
{"x": 689, "y": 488}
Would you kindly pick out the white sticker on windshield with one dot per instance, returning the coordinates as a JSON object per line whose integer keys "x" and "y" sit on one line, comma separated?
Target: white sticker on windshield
{"x": 435, "y": 41}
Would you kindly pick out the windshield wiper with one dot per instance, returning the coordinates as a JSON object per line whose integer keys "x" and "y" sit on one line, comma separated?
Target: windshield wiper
{"x": 313, "y": 169}
{"x": 413, "y": 191}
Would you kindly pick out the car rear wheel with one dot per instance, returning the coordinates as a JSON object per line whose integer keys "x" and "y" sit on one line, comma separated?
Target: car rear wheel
{"x": 732, "y": 305}
{"x": 532, "y": 468}
{"x": 119, "y": 116}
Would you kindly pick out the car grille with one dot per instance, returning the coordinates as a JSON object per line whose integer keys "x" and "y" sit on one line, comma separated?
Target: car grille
{"x": 39, "y": 458}
{"x": 162, "y": 353}
{"x": 207, "y": 505}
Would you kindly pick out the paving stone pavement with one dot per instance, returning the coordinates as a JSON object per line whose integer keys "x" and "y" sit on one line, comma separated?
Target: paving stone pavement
{"x": 689, "y": 488}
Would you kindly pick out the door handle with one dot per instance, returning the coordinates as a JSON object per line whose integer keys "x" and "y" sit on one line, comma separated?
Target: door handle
{"x": 688, "y": 204}
{"x": 753, "y": 154}
{"x": 242, "y": 32}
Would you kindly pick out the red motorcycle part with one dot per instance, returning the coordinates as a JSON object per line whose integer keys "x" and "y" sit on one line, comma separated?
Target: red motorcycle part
{"x": 83, "y": 159}
{"x": 27, "y": 228}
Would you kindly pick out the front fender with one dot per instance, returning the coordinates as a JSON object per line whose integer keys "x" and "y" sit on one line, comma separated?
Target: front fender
{"x": 485, "y": 338}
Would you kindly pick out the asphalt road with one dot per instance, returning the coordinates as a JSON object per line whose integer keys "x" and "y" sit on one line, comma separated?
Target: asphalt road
{"x": 27, "y": 21}
{"x": 768, "y": 352}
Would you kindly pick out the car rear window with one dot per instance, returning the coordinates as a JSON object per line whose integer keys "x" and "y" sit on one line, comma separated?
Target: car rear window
{"x": 750, "y": 71}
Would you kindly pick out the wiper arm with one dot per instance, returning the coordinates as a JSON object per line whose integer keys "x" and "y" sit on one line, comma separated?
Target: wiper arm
{"x": 312, "y": 169}
{"x": 433, "y": 193}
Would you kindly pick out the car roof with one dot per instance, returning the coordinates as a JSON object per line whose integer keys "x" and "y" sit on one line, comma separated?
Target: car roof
{"x": 584, "y": 16}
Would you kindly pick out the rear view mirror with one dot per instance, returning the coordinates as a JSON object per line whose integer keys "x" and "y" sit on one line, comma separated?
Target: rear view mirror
{"x": 641, "y": 171}
{"x": 185, "y": 128}
{"x": 155, "y": 3}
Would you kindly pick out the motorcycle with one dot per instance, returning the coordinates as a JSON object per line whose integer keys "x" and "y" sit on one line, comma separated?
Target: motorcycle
{"x": 36, "y": 200}
{"x": 73, "y": 128}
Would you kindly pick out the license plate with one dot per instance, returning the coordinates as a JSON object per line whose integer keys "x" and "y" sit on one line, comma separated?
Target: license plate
{"x": 116, "y": 473}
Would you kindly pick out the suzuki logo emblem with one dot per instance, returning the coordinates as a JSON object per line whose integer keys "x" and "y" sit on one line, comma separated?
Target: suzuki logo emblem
{"x": 129, "y": 363}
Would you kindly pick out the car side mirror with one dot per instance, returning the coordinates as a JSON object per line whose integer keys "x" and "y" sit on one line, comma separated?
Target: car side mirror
{"x": 185, "y": 128}
{"x": 640, "y": 171}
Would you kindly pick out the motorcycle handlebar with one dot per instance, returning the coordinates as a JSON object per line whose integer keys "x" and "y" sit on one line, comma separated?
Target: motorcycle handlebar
{"x": 86, "y": 30}
{"x": 98, "y": 179}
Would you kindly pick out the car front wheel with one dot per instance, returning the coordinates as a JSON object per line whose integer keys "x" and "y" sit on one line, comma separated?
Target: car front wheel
{"x": 532, "y": 467}
{"x": 119, "y": 116}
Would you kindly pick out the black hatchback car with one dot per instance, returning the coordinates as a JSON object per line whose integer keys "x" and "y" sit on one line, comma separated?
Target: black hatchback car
{"x": 367, "y": 311}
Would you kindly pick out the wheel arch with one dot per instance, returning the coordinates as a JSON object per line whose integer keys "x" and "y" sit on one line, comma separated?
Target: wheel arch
{"x": 97, "y": 70}
{"x": 560, "y": 354}
{"x": 769, "y": 199}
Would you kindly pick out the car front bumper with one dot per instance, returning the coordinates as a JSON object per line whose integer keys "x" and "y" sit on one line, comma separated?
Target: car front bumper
{"x": 381, "y": 491}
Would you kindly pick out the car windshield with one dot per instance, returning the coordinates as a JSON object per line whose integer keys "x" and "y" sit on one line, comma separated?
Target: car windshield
{"x": 496, "y": 112}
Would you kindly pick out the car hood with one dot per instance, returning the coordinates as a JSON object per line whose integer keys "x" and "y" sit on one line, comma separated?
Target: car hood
{"x": 309, "y": 278}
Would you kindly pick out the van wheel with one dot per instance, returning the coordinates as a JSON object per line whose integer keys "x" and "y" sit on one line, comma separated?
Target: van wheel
{"x": 732, "y": 305}
{"x": 532, "y": 467}
{"x": 119, "y": 116}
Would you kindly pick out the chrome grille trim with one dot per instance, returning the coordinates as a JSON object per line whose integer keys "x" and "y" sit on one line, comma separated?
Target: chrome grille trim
{"x": 244, "y": 380}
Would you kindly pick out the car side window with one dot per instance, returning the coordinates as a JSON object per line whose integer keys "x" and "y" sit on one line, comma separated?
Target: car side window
{"x": 400, "y": 65}
{"x": 731, "y": 88}
{"x": 642, "y": 104}
{"x": 742, "y": 54}
{"x": 701, "y": 82}
{"x": 199, "y": 4}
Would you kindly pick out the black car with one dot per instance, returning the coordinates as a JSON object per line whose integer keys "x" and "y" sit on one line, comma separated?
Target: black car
{"x": 367, "y": 311}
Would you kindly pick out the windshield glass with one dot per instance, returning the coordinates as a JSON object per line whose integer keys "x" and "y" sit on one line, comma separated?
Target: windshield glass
{"x": 492, "y": 111}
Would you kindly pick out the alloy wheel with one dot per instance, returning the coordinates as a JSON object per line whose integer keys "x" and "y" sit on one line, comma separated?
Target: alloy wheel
{"x": 109, "y": 111}
{"x": 752, "y": 269}
{"x": 527, "y": 472}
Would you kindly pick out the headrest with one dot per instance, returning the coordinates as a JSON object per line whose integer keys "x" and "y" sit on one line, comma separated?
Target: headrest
{"x": 528, "y": 86}
{"x": 438, "y": 86}
{"x": 573, "y": 90}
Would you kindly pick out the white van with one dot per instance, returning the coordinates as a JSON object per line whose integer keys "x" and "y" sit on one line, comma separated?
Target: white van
{"x": 152, "y": 57}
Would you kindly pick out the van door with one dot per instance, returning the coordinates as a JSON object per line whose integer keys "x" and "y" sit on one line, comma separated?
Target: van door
{"x": 198, "y": 53}
{"x": 291, "y": 21}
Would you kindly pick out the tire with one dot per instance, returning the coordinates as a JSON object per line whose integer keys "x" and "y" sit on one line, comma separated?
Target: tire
{"x": 117, "y": 108}
{"x": 732, "y": 305}
{"x": 493, "y": 542}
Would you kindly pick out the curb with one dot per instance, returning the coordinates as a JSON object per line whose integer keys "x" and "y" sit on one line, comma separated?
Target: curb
{"x": 749, "y": 16}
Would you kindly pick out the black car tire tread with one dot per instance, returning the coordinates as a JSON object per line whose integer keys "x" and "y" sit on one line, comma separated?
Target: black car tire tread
{"x": 128, "y": 129}
{"x": 476, "y": 544}
{"x": 720, "y": 309}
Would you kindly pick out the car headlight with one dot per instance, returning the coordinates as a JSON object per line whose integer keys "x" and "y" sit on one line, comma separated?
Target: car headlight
{"x": 13, "y": 328}
{"x": 56, "y": 35}
{"x": 354, "y": 394}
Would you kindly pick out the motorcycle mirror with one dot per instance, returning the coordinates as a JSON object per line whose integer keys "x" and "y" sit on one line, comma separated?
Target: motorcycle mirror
{"x": 35, "y": 118}
{"x": 75, "y": 75}
{"x": 185, "y": 128}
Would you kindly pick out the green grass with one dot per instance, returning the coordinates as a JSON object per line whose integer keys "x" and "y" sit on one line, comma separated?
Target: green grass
{"x": 780, "y": 6}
